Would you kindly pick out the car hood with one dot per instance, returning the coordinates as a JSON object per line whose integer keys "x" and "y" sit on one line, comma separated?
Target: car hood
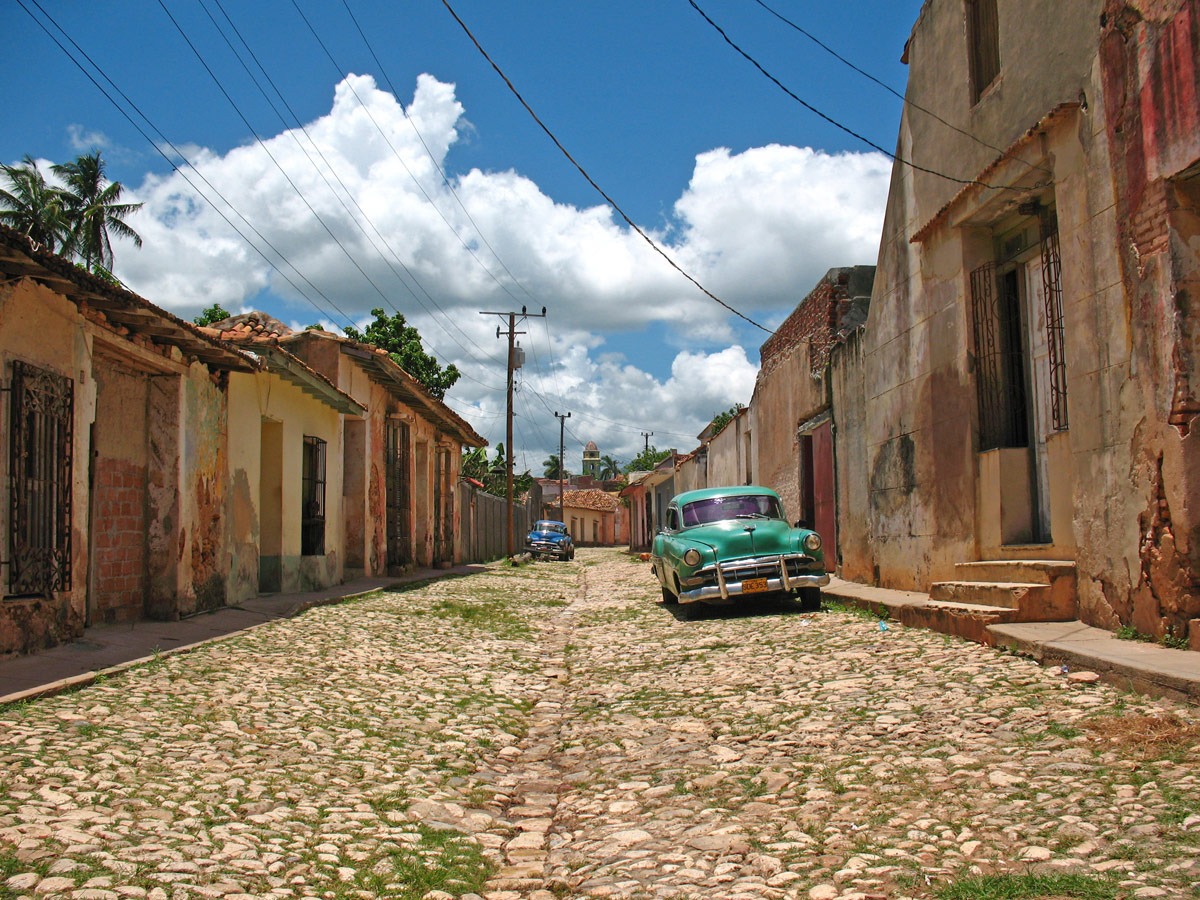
{"x": 546, "y": 536}
{"x": 745, "y": 537}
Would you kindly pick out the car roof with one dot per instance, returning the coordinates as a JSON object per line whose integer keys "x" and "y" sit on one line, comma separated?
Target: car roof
{"x": 733, "y": 491}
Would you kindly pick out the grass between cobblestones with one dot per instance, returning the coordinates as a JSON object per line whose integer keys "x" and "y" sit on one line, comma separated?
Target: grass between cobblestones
{"x": 357, "y": 752}
{"x": 284, "y": 761}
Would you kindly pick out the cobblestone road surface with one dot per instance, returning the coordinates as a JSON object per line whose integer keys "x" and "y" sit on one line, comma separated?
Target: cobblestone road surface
{"x": 549, "y": 731}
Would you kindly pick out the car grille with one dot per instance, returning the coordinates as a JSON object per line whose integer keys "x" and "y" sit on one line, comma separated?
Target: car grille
{"x": 736, "y": 570}
{"x": 544, "y": 545}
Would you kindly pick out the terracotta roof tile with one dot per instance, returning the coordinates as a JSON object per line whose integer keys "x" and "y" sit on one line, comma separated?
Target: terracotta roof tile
{"x": 591, "y": 499}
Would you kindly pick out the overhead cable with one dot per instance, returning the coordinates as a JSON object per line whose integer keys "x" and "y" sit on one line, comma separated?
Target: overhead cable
{"x": 158, "y": 146}
{"x": 582, "y": 171}
{"x": 887, "y": 87}
{"x": 836, "y": 124}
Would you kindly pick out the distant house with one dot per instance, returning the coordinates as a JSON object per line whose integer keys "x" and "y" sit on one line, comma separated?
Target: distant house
{"x": 590, "y": 516}
{"x": 793, "y": 415}
{"x": 641, "y": 517}
{"x": 112, "y": 454}
{"x": 402, "y": 460}
{"x": 285, "y": 465}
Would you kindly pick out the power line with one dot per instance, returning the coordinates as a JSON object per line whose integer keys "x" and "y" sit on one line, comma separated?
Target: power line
{"x": 437, "y": 165}
{"x": 158, "y": 148}
{"x": 836, "y": 124}
{"x": 887, "y": 87}
{"x": 345, "y": 189}
{"x": 400, "y": 158}
{"x": 582, "y": 171}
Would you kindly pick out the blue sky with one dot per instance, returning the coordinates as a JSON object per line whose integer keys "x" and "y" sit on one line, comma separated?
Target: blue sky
{"x": 752, "y": 194}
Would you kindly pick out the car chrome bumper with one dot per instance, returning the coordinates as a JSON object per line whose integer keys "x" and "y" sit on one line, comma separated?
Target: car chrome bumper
{"x": 729, "y": 583}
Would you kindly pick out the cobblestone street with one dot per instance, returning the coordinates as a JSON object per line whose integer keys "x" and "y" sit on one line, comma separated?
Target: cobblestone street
{"x": 550, "y": 731}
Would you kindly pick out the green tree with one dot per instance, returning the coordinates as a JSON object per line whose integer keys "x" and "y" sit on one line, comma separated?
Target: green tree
{"x": 720, "y": 420}
{"x": 402, "y": 342}
{"x": 34, "y": 207}
{"x": 609, "y": 468}
{"x": 214, "y": 313}
{"x": 493, "y": 473}
{"x": 553, "y": 467}
{"x": 647, "y": 460}
{"x": 94, "y": 210}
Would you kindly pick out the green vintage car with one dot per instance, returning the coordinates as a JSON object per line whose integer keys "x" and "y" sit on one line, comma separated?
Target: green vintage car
{"x": 722, "y": 544}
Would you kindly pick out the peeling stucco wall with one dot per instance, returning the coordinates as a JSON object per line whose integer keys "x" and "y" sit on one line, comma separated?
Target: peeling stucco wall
{"x": 1150, "y": 69}
{"x": 42, "y": 328}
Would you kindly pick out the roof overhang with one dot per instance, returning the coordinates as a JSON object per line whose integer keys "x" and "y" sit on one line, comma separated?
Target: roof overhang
{"x": 288, "y": 367}
{"x": 120, "y": 308}
{"x": 1014, "y": 177}
{"x": 384, "y": 371}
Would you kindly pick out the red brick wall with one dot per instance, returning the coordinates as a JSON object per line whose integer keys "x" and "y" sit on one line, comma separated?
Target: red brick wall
{"x": 119, "y": 541}
{"x": 813, "y": 323}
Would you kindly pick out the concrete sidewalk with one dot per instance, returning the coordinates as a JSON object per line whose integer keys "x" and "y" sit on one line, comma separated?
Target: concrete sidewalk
{"x": 1131, "y": 665}
{"x": 107, "y": 649}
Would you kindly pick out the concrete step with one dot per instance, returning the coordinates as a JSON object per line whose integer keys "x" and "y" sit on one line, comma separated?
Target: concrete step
{"x": 970, "y": 621}
{"x": 1007, "y": 595}
{"x": 1036, "y": 571}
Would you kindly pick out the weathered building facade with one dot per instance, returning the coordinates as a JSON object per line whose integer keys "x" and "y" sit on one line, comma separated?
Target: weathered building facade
{"x": 1025, "y": 387}
{"x": 111, "y": 509}
{"x": 791, "y": 406}
{"x": 402, "y": 459}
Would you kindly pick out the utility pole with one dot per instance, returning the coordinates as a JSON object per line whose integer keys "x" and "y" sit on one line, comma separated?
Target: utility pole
{"x": 516, "y": 358}
{"x": 647, "y": 435}
{"x": 562, "y": 425}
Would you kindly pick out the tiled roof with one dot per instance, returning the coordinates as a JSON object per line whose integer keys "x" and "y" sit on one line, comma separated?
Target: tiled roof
{"x": 592, "y": 499}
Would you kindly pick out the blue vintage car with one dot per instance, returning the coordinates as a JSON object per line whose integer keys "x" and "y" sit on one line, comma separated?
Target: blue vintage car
{"x": 722, "y": 544}
{"x": 550, "y": 539}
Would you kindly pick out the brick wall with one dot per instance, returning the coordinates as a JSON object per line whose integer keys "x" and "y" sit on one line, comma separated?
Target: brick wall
{"x": 814, "y": 323}
{"x": 119, "y": 541}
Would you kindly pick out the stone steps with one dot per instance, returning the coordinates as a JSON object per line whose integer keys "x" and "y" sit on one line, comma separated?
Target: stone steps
{"x": 991, "y": 592}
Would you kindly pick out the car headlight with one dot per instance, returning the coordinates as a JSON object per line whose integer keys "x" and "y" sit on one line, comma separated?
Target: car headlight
{"x": 812, "y": 541}
{"x": 692, "y": 557}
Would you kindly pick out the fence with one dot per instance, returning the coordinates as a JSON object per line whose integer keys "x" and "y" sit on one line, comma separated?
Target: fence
{"x": 483, "y": 518}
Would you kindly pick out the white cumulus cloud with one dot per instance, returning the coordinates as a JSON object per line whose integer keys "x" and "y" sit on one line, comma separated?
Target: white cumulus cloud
{"x": 351, "y": 212}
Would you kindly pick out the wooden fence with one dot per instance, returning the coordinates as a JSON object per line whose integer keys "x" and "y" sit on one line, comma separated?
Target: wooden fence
{"x": 483, "y": 518}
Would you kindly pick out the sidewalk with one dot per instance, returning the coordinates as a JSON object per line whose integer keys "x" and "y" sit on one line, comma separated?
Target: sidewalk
{"x": 1131, "y": 665}
{"x": 107, "y": 649}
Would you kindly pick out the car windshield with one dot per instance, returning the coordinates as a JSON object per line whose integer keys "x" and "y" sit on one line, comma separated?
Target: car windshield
{"x": 718, "y": 509}
{"x": 556, "y": 527}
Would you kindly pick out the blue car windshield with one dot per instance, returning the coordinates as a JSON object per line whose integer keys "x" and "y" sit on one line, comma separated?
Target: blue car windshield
{"x": 556, "y": 527}
{"x": 720, "y": 509}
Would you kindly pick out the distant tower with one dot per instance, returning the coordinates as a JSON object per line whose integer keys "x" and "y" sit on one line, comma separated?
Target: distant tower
{"x": 591, "y": 460}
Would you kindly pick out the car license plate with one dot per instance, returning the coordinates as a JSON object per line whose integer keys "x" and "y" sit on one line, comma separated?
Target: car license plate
{"x": 754, "y": 585}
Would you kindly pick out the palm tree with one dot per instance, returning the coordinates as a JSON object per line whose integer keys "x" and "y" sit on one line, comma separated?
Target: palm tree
{"x": 553, "y": 467}
{"x": 34, "y": 207}
{"x": 609, "y": 468}
{"x": 95, "y": 210}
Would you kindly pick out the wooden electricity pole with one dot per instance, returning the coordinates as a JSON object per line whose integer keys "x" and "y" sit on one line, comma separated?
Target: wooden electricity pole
{"x": 513, "y": 364}
{"x": 562, "y": 424}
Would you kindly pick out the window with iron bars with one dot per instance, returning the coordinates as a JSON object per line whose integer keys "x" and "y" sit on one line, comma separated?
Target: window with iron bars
{"x": 996, "y": 325}
{"x": 312, "y": 523}
{"x": 42, "y": 415}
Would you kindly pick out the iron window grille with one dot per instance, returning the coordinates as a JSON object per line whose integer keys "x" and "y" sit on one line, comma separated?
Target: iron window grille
{"x": 40, "y": 469}
{"x": 312, "y": 523}
{"x": 1052, "y": 294}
